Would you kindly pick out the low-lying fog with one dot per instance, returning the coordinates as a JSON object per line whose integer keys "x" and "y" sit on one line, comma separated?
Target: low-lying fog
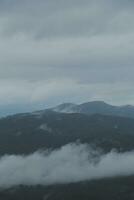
{"x": 71, "y": 163}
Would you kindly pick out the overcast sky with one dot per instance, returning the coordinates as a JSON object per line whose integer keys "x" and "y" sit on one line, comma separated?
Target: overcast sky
{"x": 66, "y": 51}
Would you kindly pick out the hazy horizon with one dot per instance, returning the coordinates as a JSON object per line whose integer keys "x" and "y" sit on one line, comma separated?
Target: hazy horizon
{"x": 11, "y": 110}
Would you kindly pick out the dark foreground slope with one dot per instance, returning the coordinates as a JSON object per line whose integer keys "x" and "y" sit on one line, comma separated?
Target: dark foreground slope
{"x": 30, "y": 132}
{"x": 106, "y": 189}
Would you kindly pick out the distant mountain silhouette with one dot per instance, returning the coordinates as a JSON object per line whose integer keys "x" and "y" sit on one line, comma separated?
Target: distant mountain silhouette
{"x": 96, "y": 107}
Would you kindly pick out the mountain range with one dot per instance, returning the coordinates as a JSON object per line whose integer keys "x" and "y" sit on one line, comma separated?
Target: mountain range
{"x": 96, "y": 107}
{"x": 98, "y": 124}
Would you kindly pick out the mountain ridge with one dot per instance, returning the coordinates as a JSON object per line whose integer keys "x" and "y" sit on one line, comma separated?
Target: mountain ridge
{"x": 96, "y": 107}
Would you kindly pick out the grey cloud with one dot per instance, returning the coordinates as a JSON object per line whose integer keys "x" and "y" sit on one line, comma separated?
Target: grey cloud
{"x": 51, "y": 92}
{"x": 65, "y": 18}
{"x": 89, "y": 42}
{"x": 72, "y": 163}
{"x": 85, "y": 33}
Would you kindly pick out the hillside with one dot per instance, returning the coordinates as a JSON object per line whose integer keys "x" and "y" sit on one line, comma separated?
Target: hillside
{"x": 23, "y": 134}
{"x": 26, "y": 133}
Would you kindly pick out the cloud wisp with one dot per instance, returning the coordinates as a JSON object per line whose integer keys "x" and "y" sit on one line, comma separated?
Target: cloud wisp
{"x": 72, "y": 163}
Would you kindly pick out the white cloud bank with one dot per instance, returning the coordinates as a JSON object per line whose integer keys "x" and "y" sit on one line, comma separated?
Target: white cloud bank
{"x": 72, "y": 163}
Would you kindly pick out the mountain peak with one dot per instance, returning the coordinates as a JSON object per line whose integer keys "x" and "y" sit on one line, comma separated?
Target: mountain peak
{"x": 96, "y": 107}
{"x": 96, "y": 103}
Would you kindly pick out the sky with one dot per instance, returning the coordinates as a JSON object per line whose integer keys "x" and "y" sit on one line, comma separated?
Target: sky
{"x": 65, "y": 51}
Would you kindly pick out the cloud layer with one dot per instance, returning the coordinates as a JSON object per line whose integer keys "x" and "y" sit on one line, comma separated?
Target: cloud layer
{"x": 72, "y": 163}
{"x": 85, "y": 42}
